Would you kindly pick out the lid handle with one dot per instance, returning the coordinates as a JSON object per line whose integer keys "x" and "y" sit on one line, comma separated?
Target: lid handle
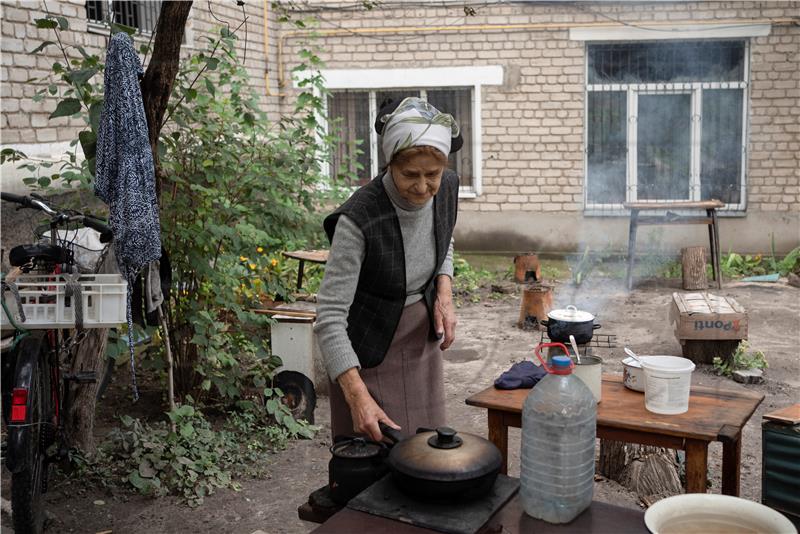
{"x": 445, "y": 438}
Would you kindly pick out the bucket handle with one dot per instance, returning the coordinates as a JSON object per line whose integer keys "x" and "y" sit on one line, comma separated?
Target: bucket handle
{"x": 563, "y": 347}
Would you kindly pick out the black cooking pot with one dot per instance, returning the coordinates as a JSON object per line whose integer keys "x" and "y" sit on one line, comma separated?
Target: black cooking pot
{"x": 570, "y": 321}
{"x": 355, "y": 464}
{"x": 441, "y": 464}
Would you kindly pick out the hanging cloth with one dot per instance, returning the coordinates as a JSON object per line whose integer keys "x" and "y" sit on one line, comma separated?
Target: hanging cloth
{"x": 125, "y": 176}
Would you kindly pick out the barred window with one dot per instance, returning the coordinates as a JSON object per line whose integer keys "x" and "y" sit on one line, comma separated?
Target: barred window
{"x": 665, "y": 121}
{"x": 141, "y": 15}
{"x": 351, "y": 115}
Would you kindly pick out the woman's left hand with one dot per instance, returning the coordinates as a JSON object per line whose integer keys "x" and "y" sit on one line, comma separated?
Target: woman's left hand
{"x": 444, "y": 313}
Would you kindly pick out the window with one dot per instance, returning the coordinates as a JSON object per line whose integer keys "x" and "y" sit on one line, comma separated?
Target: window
{"x": 356, "y": 95}
{"x": 141, "y": 15}
{"x": 665, "y": 121}
{"x": 351, "y": 116}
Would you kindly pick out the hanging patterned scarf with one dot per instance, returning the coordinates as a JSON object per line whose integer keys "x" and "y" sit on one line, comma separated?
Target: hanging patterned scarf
{"x": 125, "y": 177}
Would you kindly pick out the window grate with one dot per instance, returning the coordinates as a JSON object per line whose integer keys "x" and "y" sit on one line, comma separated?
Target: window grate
{"x": 359, "y": 152}
{"x": 665, "y": 121}
{"x": 141, "y": 15}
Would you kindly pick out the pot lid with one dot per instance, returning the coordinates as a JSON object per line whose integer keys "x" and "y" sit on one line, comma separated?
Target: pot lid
{"x": 570, "y": 314}
{"x": 356, "y": 448}
{"x": 445, "y": 455}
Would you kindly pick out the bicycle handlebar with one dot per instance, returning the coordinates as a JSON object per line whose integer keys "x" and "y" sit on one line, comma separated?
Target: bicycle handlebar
{"x": 19, "y": 199}
{"x": 106, "y": 234}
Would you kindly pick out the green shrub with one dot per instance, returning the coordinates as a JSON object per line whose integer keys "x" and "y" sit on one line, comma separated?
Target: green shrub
{"x": 742, "y": 359}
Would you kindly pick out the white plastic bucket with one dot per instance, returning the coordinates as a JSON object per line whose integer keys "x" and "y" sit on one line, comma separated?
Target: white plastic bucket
{"x": 667, "y": 383}
{"x": 590, "y": 370}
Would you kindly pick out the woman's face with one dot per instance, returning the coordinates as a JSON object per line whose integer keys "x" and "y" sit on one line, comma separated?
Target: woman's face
{"x": 418, "y": 179}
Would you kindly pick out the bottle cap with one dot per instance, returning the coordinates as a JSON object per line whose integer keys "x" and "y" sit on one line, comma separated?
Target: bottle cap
{"x": 561, "y": 361}
{"x": 561, "y": 365}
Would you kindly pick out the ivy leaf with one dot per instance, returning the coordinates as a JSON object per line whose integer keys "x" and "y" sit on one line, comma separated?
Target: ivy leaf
{"x": 137, "y": 481}
{"x": 116, "y": 28}
{"x": 210, "y": 86}
{"x": 45, "y": 23}
{"x": 88, "y": 141}
{"x": 63, "y": 23}
{"x": 146, "y": 470}
{"x": 66, "y": 108}
{"x": 41, "y": 47}
{"x": 94, "y": 115}
{"x": 81, "y": 76}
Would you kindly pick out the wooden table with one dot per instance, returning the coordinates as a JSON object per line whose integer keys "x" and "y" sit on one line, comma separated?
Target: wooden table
{"x": 710, "y": 207}
{"x": 510, "y": 519}
{"x": 314, "y": 256}
{"x": 715, "y": 414}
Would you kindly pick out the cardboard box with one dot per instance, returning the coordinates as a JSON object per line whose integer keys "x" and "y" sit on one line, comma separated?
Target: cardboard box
{"x": 707, "y": 317}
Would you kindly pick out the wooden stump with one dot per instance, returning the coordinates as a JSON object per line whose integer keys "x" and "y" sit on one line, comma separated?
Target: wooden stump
{"x": 705, "y": 350}
{"x": 527, "y": 268}
{"x": 693, "y": 263}
{"x": 644, "y": 469}
{"x": 537, "y": 301}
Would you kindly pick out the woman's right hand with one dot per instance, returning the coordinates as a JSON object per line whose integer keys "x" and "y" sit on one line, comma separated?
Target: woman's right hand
{"x": 364, "y": 411}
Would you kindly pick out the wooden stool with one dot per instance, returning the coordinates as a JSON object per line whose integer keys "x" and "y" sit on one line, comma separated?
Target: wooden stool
{"x": 710, "y": 207}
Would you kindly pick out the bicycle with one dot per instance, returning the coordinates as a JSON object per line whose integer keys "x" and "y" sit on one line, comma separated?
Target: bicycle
{"x": 55, "y": 304}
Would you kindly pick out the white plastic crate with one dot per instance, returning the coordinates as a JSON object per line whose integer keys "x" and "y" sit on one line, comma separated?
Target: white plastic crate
{"x": 45, "y": 304}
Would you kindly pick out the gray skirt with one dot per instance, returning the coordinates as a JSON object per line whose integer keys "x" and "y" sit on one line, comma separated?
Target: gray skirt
{"x": 408, "y": 385}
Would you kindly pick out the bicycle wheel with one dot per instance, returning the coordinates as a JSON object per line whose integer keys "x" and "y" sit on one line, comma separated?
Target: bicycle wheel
{"x": 27, "y": 485}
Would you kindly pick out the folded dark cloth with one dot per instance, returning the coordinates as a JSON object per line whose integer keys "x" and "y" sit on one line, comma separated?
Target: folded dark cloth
{"x": 521, "y": 375}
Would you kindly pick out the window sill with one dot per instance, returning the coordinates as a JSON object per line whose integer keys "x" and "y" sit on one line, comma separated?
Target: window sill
{"x": 469, "y": 194}
{"x": 620, "y": 212}
{"x": 102, "y": 28}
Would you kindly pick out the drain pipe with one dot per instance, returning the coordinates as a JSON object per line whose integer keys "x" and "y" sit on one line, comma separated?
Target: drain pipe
{"x": 501, "y": 27}
{"x": 268, "y": 91}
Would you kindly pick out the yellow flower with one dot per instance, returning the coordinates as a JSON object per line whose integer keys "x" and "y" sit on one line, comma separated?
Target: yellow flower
{"x": 260, "y": 250}
{"x": 274, "y": 262}
{"x": 253, "y": 266}
{"x": 242, "y": 258}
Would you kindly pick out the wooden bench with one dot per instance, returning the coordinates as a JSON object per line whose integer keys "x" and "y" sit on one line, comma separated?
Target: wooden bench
{"x": 710, "y": 207}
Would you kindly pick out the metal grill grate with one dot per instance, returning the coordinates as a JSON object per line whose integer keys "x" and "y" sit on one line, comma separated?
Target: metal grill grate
{"x": 601, "y": 341}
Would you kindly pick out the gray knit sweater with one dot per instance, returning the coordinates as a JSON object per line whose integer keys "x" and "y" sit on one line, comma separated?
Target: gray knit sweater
{"x": 344, "y": 265}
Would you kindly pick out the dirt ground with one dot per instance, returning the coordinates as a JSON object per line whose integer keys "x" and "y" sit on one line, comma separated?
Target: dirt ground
{"x": 488, "y": 342}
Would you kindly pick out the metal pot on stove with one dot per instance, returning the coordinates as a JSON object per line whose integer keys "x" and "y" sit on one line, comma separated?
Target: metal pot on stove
{"x": 570, "y": 321}
{"x": 443, "y": 464}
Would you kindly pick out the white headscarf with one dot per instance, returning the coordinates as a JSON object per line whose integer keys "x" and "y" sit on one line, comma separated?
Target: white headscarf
{"x": 417, "y": 123}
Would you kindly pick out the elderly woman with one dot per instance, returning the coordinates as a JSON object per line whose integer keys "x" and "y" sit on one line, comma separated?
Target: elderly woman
{"x": 385, "y": 308}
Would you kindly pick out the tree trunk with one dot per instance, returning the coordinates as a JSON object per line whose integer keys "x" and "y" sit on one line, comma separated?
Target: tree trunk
{"x": 156, "y": 91}
{"x": 693, "y": 263}
{"x": 90, "y": 356}
{"x": 644, "y": 469}
{"x": 160, "y": 76}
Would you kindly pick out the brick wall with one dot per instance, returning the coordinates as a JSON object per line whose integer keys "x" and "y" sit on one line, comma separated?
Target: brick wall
{"x": 26, "y": 122}
{"x": 533, "y": 125}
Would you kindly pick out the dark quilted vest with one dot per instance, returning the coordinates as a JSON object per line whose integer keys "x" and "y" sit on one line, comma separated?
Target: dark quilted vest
{"x": 381, "y": 291}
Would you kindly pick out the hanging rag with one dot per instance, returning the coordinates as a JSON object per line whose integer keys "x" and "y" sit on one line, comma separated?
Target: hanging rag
{"x": 125, "y": 176}
{"x": 520, "y": 376}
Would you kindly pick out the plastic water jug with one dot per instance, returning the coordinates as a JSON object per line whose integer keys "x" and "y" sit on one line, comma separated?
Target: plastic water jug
{"x": 558, "y": 441}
